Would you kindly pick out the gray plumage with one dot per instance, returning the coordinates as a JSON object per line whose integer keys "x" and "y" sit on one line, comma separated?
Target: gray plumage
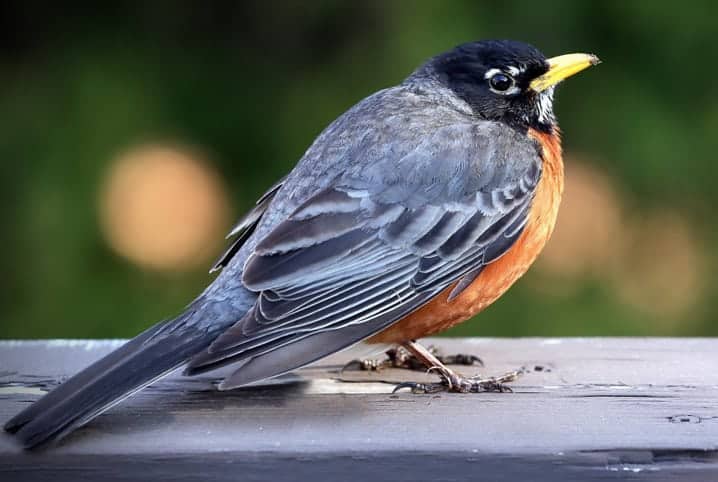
{"x": 400, "y": 197}
{"x": 408, "y": 192}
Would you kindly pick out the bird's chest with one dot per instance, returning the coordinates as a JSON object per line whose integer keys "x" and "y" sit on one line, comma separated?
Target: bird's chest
{"x": 441, "y": 314}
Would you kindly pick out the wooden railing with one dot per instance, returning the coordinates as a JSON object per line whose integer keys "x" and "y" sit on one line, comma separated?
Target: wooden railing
{"x": 586, "y": 409}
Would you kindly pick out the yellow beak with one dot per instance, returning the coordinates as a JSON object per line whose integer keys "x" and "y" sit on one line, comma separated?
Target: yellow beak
{"x": 562, "y": 67}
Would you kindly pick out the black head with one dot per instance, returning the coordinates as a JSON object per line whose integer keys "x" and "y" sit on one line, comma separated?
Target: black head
{"x": 497, "y": 79}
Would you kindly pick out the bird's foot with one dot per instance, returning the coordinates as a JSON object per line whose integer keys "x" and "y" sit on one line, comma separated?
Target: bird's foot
{"x": 450, "y": 380}
{"x": 456, "y": 383}
{"x": 400, "y": 357}
{"x": 366, "y": 364}
{"x": 456, "y": 359}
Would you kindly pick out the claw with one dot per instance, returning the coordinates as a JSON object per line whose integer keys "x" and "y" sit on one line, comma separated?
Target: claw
{"x": 489, "y": 386}
{"x": 412, "y": 386}
{"x": 444, "y": 375}
{"x": 457, "y": 359}
{"x": 451, "y": 382}
{"x": 369, "y": 365}
{"x": 400, "y": 386}
{"x": 461, "y": 359}
{"x": 353, "y": 365}
{"x": 421, "y": 388}
{"x": 495, "y": 384}
{"x": 399, "y": 357}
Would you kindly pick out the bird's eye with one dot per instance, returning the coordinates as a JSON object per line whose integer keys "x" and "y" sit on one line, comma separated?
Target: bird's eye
{"x": 501, "y": 82}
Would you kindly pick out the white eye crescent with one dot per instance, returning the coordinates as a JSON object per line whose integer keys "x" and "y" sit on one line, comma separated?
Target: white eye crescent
{"x": 501, "y": 82}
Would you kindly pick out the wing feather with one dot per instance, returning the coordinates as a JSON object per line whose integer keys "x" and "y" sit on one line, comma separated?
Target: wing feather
{"x": 246, "y": 225}
{"x": 363, "y": 252}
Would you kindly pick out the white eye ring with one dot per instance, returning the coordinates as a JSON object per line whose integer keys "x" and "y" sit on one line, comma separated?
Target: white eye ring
{"x": 501, "y": 83}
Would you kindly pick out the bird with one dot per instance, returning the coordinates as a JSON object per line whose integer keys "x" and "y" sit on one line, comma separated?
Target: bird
{"x": 411, "y": 212}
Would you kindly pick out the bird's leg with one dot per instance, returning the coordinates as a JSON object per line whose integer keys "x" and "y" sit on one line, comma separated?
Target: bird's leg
{"x": 450, "y": 380}
{"x": 401, "y": 357}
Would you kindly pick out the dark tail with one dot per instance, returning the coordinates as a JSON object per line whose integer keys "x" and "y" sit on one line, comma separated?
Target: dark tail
{"x": 139, "y": 362}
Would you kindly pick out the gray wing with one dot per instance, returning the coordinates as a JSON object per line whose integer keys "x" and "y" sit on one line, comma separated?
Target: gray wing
{"x": 377, "y": 244}
{"x": 246, "y": 226}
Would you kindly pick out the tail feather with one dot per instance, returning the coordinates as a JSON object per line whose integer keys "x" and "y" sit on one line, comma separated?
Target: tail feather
{"x": 139, "y": 362}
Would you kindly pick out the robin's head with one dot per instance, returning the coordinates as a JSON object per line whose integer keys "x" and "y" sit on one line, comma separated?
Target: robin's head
{"x": 505, "y": 80}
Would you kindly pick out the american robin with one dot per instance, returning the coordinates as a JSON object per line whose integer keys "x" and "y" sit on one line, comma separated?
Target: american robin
{"x": 411, "y": 212}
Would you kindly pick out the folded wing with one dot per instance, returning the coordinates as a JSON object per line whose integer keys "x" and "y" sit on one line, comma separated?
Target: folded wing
{"x": 371, "y": 248}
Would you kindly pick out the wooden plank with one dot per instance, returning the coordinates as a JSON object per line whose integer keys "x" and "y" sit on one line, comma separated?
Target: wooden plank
{"x": 588, "y": 409}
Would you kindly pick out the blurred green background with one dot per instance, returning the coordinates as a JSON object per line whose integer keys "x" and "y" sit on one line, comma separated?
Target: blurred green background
{"x": 132, "y": 136}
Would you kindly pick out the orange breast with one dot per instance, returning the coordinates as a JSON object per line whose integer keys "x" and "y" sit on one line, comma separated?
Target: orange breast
{"x": 497, "y": 277}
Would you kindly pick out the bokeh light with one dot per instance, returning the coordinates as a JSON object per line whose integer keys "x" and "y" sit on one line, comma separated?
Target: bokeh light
{"x": 652, "y": 261}
{"x": 662, "y": 271}
{"x": 119, "y": 233}
{"x": 163, "y": 207}
{"x": 589, "y": 230}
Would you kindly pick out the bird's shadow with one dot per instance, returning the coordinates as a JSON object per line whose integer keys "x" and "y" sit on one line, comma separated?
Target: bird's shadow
{"x": 158, "y": 407}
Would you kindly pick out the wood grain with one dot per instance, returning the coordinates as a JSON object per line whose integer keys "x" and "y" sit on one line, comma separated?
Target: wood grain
{"x": 587, "y": 409}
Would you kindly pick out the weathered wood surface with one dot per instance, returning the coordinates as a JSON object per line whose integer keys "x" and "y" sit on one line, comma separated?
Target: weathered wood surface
{"x": 588, "y": 409}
